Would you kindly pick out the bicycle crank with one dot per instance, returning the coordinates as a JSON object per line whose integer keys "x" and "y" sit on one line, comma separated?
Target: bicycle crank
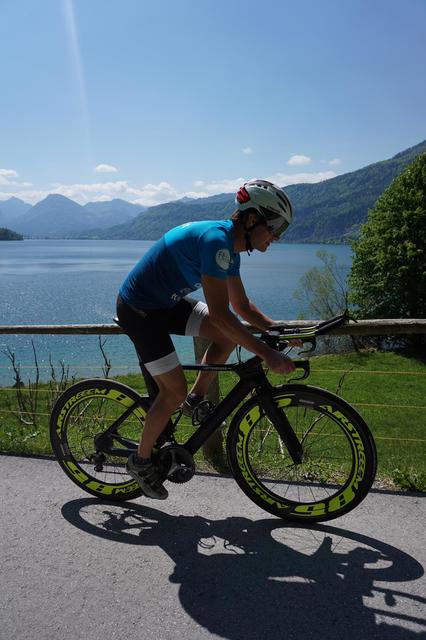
{"x": 175, "y": 463}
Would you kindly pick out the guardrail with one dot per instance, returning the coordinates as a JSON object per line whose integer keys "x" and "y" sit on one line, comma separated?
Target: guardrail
{"x": 382, "y": 327}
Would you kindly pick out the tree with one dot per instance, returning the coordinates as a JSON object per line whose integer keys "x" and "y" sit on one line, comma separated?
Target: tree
{"x": 388, "y": 275}
{"x": 324, "y": 291}
{"x": 7, "y": 234}
{"x": 324, "y": 288}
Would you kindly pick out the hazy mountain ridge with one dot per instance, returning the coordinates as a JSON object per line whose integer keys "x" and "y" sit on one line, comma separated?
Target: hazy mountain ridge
{"x": 58, "y": 216}
{"x": 153, "y": 222}
{"x": 12, "y": 209}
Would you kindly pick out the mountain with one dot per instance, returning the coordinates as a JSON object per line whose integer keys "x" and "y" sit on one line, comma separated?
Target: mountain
{"x": 112, "y": 212}
{"x": 328, "y": 211}
{"x": 153, "y": 222}
{"x": 12, "y": 209}
{"x": 59, "y": 217}
{"x": 55, "y": 216}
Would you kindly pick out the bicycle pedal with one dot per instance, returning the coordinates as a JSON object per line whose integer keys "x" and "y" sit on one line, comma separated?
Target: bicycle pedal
{"x": 175, "y": 463}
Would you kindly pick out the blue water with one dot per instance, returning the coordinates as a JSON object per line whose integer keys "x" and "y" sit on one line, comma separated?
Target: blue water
{"x": 76, "y": 282}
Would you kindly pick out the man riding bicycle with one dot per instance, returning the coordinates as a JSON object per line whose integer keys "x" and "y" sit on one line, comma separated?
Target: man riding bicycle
{"x": 153, "y": 303}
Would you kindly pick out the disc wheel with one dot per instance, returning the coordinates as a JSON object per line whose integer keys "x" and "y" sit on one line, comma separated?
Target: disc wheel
{"x": 339, "y": 455}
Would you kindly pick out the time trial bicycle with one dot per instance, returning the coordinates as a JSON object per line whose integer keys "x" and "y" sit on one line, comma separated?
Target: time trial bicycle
{"x": 299, "y": 452}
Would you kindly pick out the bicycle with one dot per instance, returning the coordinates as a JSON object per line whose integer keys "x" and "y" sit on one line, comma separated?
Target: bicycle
{"x": 299, "y": 452}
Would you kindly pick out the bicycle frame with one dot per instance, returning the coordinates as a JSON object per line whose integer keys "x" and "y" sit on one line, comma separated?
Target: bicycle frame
{"x": 252, "y": 378}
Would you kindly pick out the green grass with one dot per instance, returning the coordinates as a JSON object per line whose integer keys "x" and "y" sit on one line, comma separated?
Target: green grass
{"x": 388, "y": 390}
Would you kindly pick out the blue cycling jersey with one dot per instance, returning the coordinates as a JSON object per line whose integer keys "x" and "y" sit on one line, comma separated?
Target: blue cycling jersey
{"x": 173, "y": 266}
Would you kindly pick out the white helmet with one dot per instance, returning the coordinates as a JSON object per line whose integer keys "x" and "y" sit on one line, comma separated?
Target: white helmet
{"x": 269, "y": 200}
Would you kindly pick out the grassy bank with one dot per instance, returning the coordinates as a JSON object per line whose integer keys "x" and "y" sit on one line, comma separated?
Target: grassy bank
{"x": 388, "y": 390}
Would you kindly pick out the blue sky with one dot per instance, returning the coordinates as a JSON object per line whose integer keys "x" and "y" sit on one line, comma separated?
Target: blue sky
{"x": 152, "y": 100}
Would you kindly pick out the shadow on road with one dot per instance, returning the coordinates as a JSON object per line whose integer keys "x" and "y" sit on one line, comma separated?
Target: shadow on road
{"x": 244, "y": 579}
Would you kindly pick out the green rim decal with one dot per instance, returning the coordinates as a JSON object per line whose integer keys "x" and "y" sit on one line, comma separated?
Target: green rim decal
{"x": 99, "y": 487}
{"x": 246, "y": 425}
{"x": 70, "y": 466}
{"x": 88, "y": 394}
{"x": 309, "y": 509}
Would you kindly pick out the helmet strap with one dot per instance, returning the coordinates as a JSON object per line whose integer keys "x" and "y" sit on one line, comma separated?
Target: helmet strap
{"x": 247, "y": 233}
{"x": 249, "y": 246}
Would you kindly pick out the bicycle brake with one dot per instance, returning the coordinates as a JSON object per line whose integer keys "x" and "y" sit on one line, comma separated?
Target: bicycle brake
{"x": 313, "y": 345}
{"x": 304, "y": 366}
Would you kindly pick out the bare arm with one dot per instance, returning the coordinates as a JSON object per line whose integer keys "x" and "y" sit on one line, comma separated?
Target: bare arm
{"x": 244, "y": 307}
{"x": 217, "y": 298}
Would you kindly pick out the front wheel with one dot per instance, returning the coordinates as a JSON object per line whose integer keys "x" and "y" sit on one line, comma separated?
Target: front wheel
{"x": 339, "y": 455}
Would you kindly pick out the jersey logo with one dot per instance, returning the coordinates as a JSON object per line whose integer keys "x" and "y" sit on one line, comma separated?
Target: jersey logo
{"x": 223, "y": 259}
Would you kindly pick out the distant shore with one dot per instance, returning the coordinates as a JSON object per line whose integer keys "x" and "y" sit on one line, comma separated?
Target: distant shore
{"x": 8, "y": 234}
{"x": 87, "y": 238}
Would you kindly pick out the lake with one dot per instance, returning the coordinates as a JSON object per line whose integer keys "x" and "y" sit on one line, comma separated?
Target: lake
{"x": 76, "y": 282}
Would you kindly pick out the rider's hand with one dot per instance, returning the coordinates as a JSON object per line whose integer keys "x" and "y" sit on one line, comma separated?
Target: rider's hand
{"x": 295, "y": 343}
{"x": 275, "y": 331}
{"x": 279, "y": 363}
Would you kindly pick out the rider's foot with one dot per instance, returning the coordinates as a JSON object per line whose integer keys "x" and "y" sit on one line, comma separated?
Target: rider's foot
{"x": 196, "y": 407}
{"x": 147, "y": 476}
{"x": 191, "y": 403}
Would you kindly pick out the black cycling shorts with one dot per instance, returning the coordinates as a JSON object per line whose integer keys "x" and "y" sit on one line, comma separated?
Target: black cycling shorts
{"x": 150, "y": 329}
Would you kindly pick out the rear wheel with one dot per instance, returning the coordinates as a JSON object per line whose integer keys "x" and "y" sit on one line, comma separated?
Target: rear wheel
{"x": 339, "y": 455}
{"x": 80, "y": 416}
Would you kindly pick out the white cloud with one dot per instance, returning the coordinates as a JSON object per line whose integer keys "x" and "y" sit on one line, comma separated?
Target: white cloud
{"x": 148, "y": 195}
{"x": 93, "y": 191}
{"x": 298, "y": 160}
{"x": 8, "y": 173}
{"x": 335, "y": 163}
{"x": 5, "y": 175}
{"x": 284, "y": 179}
{"x": 152, "y": 194}
{"x": 106, "y": 168}
{"x": 223, "y": 186}
{"x": 32, "y": 197}
{"x": 247, "y": 151}
{"x": 81, "y": 193}
{"x": 104, "y": 198}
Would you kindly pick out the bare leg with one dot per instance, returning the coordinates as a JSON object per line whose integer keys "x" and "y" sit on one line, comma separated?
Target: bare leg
{"x": 217, "y": 353}
{"x": 172, "y": 392}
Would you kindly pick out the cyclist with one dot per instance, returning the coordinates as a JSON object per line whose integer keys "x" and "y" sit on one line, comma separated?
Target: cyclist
{"x": 153, "y": 303}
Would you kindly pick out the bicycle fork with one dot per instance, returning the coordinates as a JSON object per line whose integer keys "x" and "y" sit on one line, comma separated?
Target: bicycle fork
{"x": 280, "y": 422}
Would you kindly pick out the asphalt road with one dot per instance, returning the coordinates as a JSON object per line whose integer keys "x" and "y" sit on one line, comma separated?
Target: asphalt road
{"x": 206, "y": 563}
